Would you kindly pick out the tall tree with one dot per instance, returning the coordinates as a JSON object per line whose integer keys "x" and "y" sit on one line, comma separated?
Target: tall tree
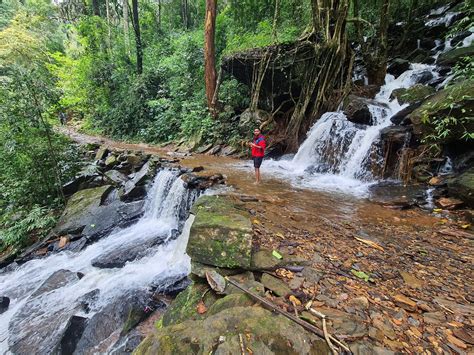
{"x": 138, "y": 39}
{"x": 210, "y": 76}
{"x": 125, "y": 9}
{"x": 95, "y": 7}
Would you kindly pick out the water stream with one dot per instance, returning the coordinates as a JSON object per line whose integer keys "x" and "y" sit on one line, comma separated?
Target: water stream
{"x": 167, "y": 205}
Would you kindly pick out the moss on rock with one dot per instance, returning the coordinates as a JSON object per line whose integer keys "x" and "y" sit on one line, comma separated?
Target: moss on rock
{"x": 221, "y": 234}
{"x": 463, "y": 187}
{"x": 413, "y": 94}
{"x": 261, "y": 329}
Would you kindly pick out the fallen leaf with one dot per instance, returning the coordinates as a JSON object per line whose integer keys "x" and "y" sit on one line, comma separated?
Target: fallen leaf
{"x": 277, "y": 254}
{"x": 256, "y": 221}
{"x": 216, "y": 281}
{"x": 201, "y": 307}
{"x": 295, "y": 300}
{"x": 361, "y": 275}
{"x": 437, "y": 210}
{"x": 465, "y": 226}
{"x": 370, "y": 243}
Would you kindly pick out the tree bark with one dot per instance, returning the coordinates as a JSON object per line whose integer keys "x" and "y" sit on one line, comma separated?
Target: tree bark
{"x": 95, "y": 7}
{"x": 125, "y": 10}
{"x": 210, "y": 55}
{"x": 138, "y": 39}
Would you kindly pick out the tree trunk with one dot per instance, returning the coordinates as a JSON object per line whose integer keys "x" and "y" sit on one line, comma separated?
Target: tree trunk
{"x": 95, "y": 7}
{"x": 158, "y": 15}
{"x": 138, "y": 39}
{"x": 125, "y": 10}
{"x": 210, "y": 55}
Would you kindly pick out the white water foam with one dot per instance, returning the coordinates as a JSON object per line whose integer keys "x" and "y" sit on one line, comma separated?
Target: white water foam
{"x": 337, "y": 154}
{"x": 166, "y": 199}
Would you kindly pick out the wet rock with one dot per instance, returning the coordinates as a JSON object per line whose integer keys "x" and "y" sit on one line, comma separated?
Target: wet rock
{"x": 4, "y": 303}
{"x": 459, "y": 38}
{"x": 80, "y": 208}
{"x": 115, "y": 177}
{"x": 398, "y": 66}
{"x": 395, "y": 134}
{"x": 296, "y": 282}
{"x": 110, "y": 319}
{"x": 357, "y": 109}
{"x": 277, "y": 286}
{"x": 462, "y": 187}
{"x": 437, "y": 181}
{"x": 449, "y": 203}
{"x": 134, "y": 188}
{"x": 36, "y": 327}
{"x": 116, "y": 214}
{"x": 119, "y": 256}
{"x": 419, "y": 55}
{"x": 72, "y": 334}
{"x": 221, "y": 234}
{"x": 169, "y": 286}
{"x": 453, "y": 56}
{"x": 268, "y": 333}
{"x": 400, "y": 116}
{"x": 405, "y": 303}
{"x": 133, "y": 159}
{"x": 413, "y": 94}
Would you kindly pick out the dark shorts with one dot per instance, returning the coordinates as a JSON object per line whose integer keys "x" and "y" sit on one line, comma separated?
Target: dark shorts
{"x": 257, "y": 161}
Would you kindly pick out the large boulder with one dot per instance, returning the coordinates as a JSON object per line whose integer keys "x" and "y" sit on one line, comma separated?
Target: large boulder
{"x": 221, "y": 234}
{"x": 261, "y": 331}
{"x": 4, "y": 303}
{"x": 398, "y": 66}
{"x": 413, "y": 94}
{"x": 357, "y": 109}
{"x": 134, "y": 188}
{"x": 454, "y": 101}
{"x": 453, "y": 56}
{"x": 37, "y": 327}
{"x": 80, "y": 209}
{"x": 399, "y": 117}
{"x": 462, "y": 187}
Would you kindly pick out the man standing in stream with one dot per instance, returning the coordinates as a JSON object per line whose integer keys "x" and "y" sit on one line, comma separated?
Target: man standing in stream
{"x": 258, "y": 151}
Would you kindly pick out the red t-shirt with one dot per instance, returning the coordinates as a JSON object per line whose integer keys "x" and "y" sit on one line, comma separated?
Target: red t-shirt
{"x": 259, "y": 152}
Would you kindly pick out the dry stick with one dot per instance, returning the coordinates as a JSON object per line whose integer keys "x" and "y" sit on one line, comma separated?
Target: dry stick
{"x": 275, "y": 308}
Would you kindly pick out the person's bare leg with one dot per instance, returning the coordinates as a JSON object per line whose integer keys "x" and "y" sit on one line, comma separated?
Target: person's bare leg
{"x": 256, "y": 175}
{"x": 257, "y": 171}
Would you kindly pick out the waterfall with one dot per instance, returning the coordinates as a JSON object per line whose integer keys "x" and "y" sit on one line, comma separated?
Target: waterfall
{"x": 166, "y": 206}
{"x": 339, "y": 155}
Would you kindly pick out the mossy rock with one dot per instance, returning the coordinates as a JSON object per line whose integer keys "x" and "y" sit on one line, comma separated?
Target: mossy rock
{"x": 451, "y": 57}
{"x": 261, "y": 331}
{"x": 80, "y": 208}
{"x": 221, "y": 234}
{"x": 462, "y": 187}
{"x": 413, "y": 94}
{"x": 456, "y": 100}
{"x": 230, "y": 301}
{"x": 184, "y": 306}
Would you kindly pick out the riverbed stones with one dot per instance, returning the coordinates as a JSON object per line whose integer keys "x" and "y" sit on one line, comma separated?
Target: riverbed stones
{"x": 260, "y": 331}
{"x": 221, "y": 234}
{"x": 116, "y": 177}
{"x": 277, "y": 286}
{"x": 134, "y": 188}
{"x": 451, "y": 57}
{"x": 405, "y": 303}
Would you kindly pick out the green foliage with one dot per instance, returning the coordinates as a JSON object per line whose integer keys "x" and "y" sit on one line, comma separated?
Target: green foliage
{"x": 17, "y": 228}
{"x": 449, "y": 114}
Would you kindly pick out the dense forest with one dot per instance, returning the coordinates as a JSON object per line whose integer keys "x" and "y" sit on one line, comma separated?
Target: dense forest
{"x": 192, "y": 72}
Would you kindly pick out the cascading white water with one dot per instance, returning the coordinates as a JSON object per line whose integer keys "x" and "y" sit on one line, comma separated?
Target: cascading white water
{"x": 167, "y": 199}
{"x": 337, "y": 154}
